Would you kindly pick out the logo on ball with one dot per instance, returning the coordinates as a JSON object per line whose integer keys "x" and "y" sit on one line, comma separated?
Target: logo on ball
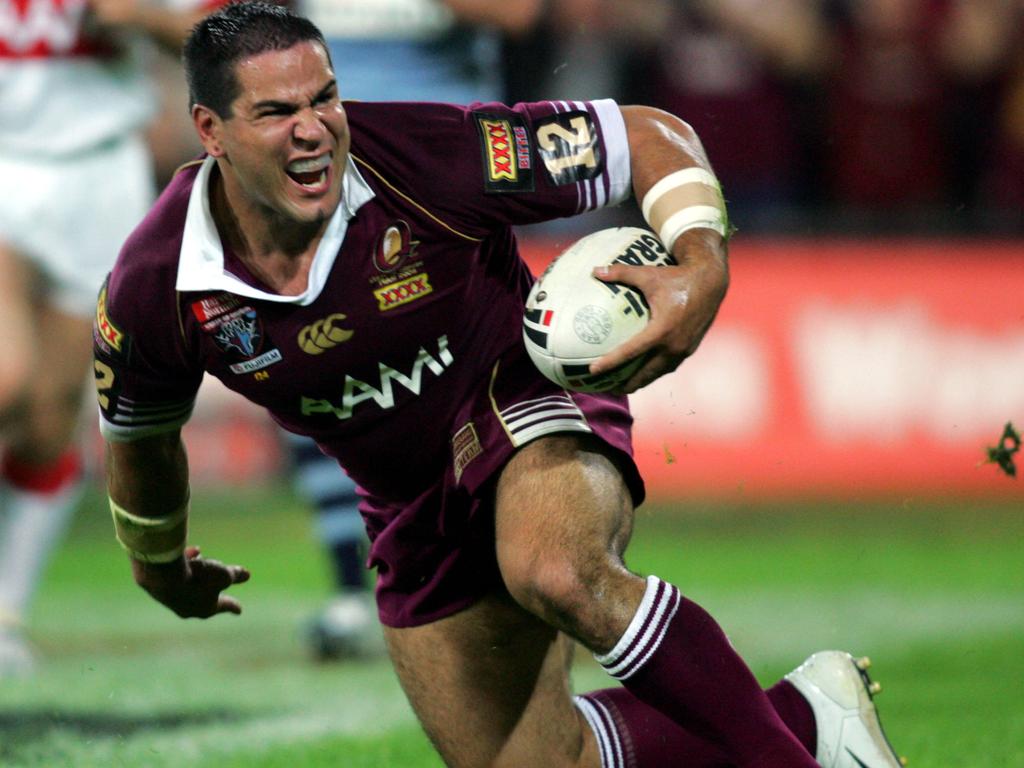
{"x": 592, "y": 324}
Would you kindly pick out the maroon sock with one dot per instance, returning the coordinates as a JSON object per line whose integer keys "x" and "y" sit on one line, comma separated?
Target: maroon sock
{"x": 796, "y": 713}
{"x": 631, "y": 734}
{"x": 675, "y": 658}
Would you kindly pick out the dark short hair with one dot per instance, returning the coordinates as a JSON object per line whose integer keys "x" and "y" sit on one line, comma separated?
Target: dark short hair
{"x": 236, "y": 31}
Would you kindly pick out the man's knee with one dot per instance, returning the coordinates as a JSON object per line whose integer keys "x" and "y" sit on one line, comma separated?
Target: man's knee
{"x": 583, "y": 598}
{"x": 563, "y": 518}
{"x": 545, "y": 585}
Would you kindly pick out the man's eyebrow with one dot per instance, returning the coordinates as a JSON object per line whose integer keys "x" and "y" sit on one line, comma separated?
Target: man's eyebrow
{"x": 273, "y": 104}
{"x": 331, "y": 85}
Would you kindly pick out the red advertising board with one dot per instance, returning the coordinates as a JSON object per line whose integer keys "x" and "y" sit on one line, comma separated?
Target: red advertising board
{"x": 844, "y": 368}
{"x": 834, "y": 369}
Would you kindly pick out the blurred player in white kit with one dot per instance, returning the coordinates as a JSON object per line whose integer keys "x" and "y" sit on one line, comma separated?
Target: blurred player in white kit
{"x": 75, "y": 178}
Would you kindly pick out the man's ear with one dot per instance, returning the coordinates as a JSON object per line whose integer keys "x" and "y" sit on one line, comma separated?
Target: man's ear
{"x": 208, "y": 127}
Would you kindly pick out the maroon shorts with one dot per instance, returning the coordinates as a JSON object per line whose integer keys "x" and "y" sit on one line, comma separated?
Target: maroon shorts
{"x": 435, "y": 556}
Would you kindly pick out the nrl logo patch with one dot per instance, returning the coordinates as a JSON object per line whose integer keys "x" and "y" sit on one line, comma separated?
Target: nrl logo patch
{"x": 394, "y": 248}
{"x": 238, "y": 334}
{"x": 506, "y": 153}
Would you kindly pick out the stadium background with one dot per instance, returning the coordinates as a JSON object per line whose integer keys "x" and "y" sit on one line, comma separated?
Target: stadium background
{"x": 817, "y": 470}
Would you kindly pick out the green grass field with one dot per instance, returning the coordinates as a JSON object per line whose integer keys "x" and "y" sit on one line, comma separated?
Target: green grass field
{"x": 933, "y": 593}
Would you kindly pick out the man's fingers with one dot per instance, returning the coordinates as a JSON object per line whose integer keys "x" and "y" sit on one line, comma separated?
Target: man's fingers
{"x": 657, "y": 366}
{"x": 223, "y": 576}
{"x": 227, "y": 604}
{"x": 638, "y": 277}
{"x": 215, "y": 574}
{"x": 626, "y": 351}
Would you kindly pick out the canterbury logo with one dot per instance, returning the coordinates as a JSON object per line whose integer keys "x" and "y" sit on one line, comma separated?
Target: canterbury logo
{"x": 323, "y": 335}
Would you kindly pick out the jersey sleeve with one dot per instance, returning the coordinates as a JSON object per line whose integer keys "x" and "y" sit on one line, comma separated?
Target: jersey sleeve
{"x": 146, "y": 383}
{"x": 490, "y": 165}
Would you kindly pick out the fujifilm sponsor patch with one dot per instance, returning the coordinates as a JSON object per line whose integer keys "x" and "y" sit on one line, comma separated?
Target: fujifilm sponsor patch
{"x": 257, "y": 363}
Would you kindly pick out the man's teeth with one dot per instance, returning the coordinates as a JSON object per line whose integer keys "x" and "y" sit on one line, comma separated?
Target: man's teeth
{"x": 309, "y": 165}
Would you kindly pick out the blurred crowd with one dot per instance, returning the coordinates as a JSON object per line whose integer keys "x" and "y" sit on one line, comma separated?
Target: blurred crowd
{"x": 846, "y": 115}
{"x": 842, "y": 116}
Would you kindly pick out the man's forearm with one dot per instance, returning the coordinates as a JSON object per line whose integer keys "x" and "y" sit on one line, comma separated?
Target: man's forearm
{"x": 149, "y": 477}
{"x": 147, "y": 481}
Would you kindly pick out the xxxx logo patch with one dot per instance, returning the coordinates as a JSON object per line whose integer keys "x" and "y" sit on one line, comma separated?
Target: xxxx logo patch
{"x": 104, "y": 330}
{"x": 506, "y": 153}
{"x": 402, "y": 292}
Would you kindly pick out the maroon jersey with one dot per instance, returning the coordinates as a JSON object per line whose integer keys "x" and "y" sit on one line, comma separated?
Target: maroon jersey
{"x": 415, "y": 292}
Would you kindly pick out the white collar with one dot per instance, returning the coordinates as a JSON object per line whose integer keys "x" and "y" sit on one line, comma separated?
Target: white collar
{"x": 201, "y": 261}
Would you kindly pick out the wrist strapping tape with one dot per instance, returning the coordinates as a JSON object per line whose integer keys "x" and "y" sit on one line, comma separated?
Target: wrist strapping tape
{"x": 151, "y": 539}
{"x": 685, "y": 200}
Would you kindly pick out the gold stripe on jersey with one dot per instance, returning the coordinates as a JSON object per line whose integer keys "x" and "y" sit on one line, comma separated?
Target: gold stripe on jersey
{"x": 408, "y": 199}
{"x": 494, "y": 403}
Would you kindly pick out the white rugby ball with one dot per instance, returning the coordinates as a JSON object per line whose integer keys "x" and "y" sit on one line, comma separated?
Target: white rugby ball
{"x": 572, "y": 318}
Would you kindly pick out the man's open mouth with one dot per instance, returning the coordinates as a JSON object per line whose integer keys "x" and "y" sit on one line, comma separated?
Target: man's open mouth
{"x": 309, "y": 172}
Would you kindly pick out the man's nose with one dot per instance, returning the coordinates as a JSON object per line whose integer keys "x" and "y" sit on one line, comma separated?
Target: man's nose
{"x": 309, "y": 126}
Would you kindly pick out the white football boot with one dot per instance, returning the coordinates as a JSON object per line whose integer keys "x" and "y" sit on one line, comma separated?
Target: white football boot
{"x": 840, "y": 693}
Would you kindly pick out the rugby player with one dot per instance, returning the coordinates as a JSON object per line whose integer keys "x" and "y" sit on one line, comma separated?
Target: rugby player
{"x": 498, "y": 506}
{"x": 75, "y": 177}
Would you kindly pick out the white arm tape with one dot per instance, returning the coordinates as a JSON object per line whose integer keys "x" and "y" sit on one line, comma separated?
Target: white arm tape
{"x": 677, "y": 179}
{"x": 690, "y": 218}
{"x": 151, "y": 539}
{"x": 699, "y": 212}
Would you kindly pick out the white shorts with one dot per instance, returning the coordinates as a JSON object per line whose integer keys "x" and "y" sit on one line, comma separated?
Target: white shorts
{"x": 70, "y": 216}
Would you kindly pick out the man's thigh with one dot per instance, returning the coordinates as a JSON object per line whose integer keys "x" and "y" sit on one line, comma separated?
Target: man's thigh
{"x": 564, "y": 515}
{"x": 491, "y": 687}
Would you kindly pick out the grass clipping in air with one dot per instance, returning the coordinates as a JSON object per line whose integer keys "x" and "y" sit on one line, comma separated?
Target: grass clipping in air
{"x": 1002, "y": 453}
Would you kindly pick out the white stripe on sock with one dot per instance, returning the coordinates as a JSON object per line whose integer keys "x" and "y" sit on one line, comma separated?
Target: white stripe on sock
{"x": 619, "y": 760}
{"x": 597, "y": 725}
{"x": 645, "y": 632}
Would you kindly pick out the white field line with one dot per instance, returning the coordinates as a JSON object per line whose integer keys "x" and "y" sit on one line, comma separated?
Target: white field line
{"x": 366, "y": 714}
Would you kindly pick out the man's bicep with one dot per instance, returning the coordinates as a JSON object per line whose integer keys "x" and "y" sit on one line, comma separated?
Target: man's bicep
{"x": 145, "y": 382}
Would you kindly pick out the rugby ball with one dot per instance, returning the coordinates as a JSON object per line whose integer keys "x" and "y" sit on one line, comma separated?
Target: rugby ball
{"x": 572, "y": 318}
